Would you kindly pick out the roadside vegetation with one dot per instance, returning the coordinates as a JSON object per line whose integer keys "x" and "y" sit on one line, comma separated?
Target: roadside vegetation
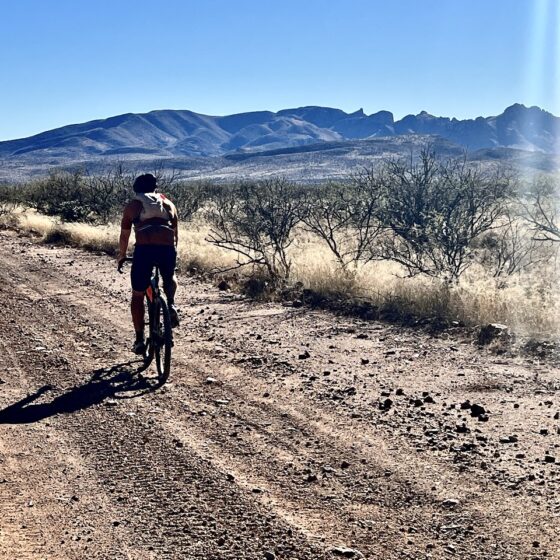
{"x": 414, "y": 239}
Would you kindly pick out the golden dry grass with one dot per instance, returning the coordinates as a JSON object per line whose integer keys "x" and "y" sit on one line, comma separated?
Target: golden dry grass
{"x": 529, "y": 303}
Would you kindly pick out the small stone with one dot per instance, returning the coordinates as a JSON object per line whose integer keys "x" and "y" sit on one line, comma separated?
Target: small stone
{"x": 269, "y": 555}
{"x": 223, "y": 286}
{"x": 311, "y": 478}
{"x": 509, "y": 439}
{"x": 221, "y": 541}
{"x": 304, "y": 355}
{"x": 365, "y": 361}
{"x": 544, "y": 432}
{"x": 344, "y": 465}
{"x": 492, "y": 332}
{"x": 549, "y": 459}
{"x": 399, "y": 392}
{"x": 450, "y": 502}
{"x": 462, "y": 429}
{"x": 210, "y": 380}
{"x": 346, "y": 552}
{"x": 386, "y": 404}
{"x": 465, "y": 405}
{"x": 221, "y": 402}
{"x": 477, "y": 410}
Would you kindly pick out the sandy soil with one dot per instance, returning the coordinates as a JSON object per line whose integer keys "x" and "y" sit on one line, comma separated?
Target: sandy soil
{"x": 282, "y": 433}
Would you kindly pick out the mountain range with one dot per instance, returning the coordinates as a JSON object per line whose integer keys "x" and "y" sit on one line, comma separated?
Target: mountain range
{"x": 186, "y": 136}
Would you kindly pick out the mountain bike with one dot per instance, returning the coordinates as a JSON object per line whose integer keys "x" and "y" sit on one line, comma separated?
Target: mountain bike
{"x": 160, "y": 335}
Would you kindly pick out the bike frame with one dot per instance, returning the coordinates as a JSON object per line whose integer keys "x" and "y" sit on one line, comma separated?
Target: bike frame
{"x": 160, "y": 336}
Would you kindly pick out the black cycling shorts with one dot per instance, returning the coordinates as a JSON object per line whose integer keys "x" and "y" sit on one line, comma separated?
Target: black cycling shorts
{"x": 145, "y": 257}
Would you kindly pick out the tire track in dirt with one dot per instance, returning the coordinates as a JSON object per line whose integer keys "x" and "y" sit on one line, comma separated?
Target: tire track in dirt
{"x": 181, "y": 507}
{"x": 183, "y": 436}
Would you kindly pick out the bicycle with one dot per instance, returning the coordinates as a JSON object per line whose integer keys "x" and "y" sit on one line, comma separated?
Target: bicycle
{"x": 160, "y": 335}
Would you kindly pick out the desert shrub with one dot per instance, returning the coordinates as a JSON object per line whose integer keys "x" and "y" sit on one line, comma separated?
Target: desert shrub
{"x": 188, "y": 196}
{"x": 541, "y": 209}
{"x": 257, "y": 222}
{"x": 108, "y": 193}
{"x": 9, "y": 199}
{"x": 512, "y": 248}
{"x": 61, "y": 194}
{"x": 344, "y": 217}
{"x": 435, "y": 210}
{"x": 98, "y": 198}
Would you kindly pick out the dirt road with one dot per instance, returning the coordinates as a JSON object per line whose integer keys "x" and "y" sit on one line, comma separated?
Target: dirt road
{"x": 283, "y": 433}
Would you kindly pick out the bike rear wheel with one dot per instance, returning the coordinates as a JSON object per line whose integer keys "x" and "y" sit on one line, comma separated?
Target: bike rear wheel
{"x": 162, "y": 349}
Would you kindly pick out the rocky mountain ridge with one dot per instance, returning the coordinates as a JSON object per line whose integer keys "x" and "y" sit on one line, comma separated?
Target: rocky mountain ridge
{"x": 181, "y": 133}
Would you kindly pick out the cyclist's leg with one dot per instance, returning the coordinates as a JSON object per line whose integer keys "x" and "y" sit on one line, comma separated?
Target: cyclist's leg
{"x": 140, "y": 279}
{"x": 167, "y": 261}
{"x": 137, "y": 310}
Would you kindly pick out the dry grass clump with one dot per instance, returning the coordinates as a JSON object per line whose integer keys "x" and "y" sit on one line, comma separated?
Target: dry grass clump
{"x": 93, "y": 238}
{"x": 527, "y": 302}
{"x": 197, "y": 254}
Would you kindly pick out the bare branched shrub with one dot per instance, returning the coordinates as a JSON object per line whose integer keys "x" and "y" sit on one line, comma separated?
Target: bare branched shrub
{"x": 512, "y": 248}
{"x": 541, "y": 206}
{"x": 61, "y": 194}
{"x": 344, "y": 216}
{"x": 435, "y": 210}
{"x": 256, "y": 221}
{"x": 9, "y": 199}
{"x": 108, "y": 193}
{"x": 189, "y": 197}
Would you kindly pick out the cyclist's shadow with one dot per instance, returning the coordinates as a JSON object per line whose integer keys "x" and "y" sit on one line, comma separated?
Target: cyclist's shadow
{"x": 120, "y": 381}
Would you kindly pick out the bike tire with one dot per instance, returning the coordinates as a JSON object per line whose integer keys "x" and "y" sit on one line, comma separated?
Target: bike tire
{"x": 153, "y": 320}
{"x": 163, "y": 359}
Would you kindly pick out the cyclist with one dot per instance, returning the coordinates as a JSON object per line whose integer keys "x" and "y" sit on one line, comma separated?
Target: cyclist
{"x": 155, "y": 222}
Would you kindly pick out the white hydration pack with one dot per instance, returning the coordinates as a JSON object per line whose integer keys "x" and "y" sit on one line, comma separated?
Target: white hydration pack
{"x": 152, "y": 207}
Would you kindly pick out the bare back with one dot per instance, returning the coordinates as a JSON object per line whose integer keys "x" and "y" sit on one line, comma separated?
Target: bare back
{"x": 154, "y": 231}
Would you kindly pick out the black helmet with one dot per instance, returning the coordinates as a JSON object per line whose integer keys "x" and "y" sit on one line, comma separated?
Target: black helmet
{"x": 146, "y": 183}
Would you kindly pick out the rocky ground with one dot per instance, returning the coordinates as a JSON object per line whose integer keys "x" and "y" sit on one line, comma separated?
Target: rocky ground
{"x": 282, "y": 433}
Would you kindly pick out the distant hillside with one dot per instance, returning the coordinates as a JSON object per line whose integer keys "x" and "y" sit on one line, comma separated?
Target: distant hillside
{"x": 177, "y": 133}
{"x": 196, "y": 142}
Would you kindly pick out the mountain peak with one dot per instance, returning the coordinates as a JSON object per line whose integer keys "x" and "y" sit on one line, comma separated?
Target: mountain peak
{"x": 170, "y": 133}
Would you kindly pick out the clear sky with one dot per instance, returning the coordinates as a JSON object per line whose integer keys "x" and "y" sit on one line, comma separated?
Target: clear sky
{"x": 68, "y": 61}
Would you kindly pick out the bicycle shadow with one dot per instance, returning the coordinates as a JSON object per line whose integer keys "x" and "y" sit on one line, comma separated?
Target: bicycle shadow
{"x": 119, "y": 381}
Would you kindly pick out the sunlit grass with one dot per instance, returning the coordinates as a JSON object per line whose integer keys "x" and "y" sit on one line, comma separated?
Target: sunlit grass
{"x": 529, "y": 303}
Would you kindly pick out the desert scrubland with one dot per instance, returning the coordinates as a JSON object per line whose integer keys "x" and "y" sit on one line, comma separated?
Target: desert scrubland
{"x": 329, "y": 395}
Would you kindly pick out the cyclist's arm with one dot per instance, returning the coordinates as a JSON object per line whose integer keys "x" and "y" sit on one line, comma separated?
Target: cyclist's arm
{"x": 174, "y": 219}
{"x": 126, "y": 228}
{"x": 175, "y": 226}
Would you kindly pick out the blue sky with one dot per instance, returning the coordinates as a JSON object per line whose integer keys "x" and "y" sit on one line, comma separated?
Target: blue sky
{"x": 67, "y": 61}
